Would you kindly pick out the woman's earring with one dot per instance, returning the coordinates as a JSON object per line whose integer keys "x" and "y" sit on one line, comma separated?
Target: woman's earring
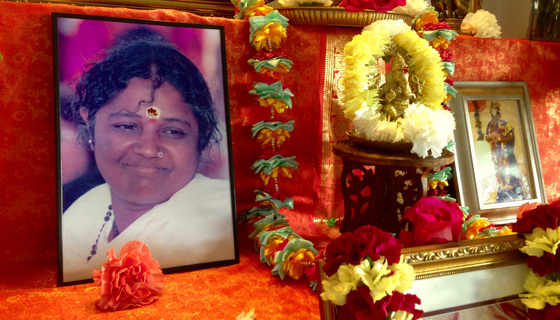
{"x": 160, "y": 154}
{"x": 90, "y": 142}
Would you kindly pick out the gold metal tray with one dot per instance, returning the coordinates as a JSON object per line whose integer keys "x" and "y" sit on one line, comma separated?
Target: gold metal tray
{"x": 337, "y": 16}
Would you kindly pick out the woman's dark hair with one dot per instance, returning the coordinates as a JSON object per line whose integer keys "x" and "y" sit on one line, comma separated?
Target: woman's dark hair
{"x": 144, "y": 53}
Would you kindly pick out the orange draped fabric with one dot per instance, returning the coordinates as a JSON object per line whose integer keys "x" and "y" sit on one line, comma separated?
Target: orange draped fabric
{"x": 28, "y": 192}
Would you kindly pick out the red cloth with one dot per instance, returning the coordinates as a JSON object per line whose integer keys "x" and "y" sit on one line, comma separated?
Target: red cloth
{"x": 536, "y": 63}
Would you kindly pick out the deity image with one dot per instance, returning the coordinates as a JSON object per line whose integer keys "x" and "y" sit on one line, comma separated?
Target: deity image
{"x": 501, "y": 138}
{"x": 396, "y": 92}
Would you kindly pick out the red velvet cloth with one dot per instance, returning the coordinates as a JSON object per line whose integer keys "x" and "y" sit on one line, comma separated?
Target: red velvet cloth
{"x": 28, "y": 192}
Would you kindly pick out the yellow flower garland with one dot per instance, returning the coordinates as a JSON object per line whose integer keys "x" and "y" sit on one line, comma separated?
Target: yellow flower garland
{"x": 425, "y": 123}
{"x": 361, "y": 55}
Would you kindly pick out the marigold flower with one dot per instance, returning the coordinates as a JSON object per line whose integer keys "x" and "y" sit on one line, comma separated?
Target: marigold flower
{"x": 261, "y": 10}
{"x": 440, "y": 43}
{"x": 425, "y": 18}
{"x": 269, "y": 37}
{"x": 293, "y": 266}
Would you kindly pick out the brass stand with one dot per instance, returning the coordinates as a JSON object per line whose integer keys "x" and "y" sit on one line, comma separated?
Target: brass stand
{"x": 377, "y": 186}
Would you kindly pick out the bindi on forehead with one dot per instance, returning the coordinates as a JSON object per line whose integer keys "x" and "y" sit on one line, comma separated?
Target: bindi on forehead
{"x": 153, "y": 112}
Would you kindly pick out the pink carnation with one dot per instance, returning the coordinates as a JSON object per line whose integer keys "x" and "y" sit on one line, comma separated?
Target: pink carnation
{"x": 132, "y": 280}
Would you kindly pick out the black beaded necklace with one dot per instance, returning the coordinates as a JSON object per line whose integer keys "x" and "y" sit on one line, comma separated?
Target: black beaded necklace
{"x": 106, "y": 218}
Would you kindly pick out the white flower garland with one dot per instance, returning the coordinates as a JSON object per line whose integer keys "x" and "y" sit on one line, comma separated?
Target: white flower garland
{"x": 481, "y": 24}
{"x": 426, "y": 124}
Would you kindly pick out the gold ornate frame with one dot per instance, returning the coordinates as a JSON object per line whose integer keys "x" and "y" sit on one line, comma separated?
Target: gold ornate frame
{"x": 218, "y": 8}
{"x": 465, "y": 256}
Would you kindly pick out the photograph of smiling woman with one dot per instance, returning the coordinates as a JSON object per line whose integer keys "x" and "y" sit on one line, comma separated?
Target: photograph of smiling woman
{"x": 146, "y": 113}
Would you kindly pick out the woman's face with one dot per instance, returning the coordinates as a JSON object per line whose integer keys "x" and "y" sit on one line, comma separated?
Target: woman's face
{"x": 146, "y": 159}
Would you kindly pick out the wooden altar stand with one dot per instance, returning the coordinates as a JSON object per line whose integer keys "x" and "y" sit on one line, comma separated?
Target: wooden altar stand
{"x": 377, "y": 186}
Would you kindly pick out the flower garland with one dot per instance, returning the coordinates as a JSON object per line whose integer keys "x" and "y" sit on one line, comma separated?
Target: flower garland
{"x": 273, "y": 237}
{"x": 426, "y": 123}
{"x": 541, "y": 226}
{"x": 367, "y": 277}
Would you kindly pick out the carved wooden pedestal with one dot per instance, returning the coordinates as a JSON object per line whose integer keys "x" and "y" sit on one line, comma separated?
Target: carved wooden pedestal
{"x": 377, "y": 186}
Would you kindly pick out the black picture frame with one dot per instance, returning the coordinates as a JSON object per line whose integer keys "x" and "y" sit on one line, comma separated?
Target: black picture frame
{"x": 182, "y": 235}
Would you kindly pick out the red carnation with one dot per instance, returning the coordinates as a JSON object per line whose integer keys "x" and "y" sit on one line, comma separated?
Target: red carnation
{"x": 546, "y": 264}
{"x": 436, "y": 26}
{"x": 543, "y": 216}
{"x": 360, "y": 306}
{"x": 381, "y": 244}
{"x": 352, "y": 248}
{"x": 406, "y": 302}
{"x": 548, "y": 313}
{"x": 344, "y": 249}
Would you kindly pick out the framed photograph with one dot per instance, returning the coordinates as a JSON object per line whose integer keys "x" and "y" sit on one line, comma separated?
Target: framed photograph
{"x": 496, "y": 154}
{"x": 144, "y": 144}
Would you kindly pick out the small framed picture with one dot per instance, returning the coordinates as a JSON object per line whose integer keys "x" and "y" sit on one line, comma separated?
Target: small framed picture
{"x": 496, "y": 154}
{"x": 144, "y": 144}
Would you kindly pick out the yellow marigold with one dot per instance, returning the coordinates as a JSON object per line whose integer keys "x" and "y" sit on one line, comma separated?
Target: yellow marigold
{"x": 438, "y": 184}
{"x": 269, "y": 37}
{"x": 541, "y": 291}
{"x": 505, "y": 231}
{"x": 293, "y": 265}
{"x": 541, "y": 241}
{"x": 425, "y": 18}
{"x": 280, "y": 68}
{"x": 475, "y": 227}
{"x": 267, "y": 136}
{"x": 447, "y": 96}
{"x": 270, "y": 247}
{"x": 278, "y": 105}
{"x": 257, "y": 10}
{"x": 286, "y": 172}
{"x": 440, "y": 43}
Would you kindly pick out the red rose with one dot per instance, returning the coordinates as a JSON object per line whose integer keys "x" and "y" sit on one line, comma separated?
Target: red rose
{"x": 132, "y": 280}
{"x": 433, "y": 221}
{"x": 543, "y": 216}
{"x": 377, "y": 5}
